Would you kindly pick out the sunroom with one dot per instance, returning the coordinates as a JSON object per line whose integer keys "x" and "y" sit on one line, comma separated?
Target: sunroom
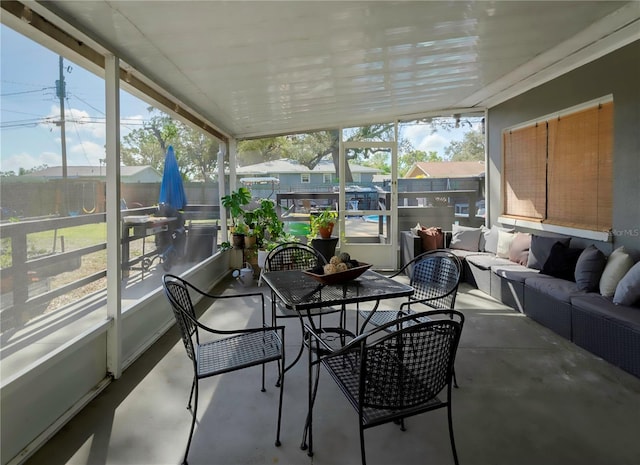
{"x": 242, "y": 71}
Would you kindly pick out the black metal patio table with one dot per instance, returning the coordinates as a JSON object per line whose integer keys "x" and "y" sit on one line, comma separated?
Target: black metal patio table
{"x": 300, "y": 292}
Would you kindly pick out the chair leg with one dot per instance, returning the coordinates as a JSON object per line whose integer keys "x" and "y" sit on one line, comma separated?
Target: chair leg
{"x": 453, "y": 442}
{"x": 362, "y": 451}
{"x": 278, "y": 443}
{"x": 193, "y": 420}
{"x": 193, "y": 385}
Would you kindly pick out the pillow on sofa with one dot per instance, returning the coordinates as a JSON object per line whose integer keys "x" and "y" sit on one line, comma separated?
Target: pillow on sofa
{"x": 465, "y": 238}
{"x": 628, "y": 289}
{"x": 519, "y": 249}
{"x": 541, "y": 248}
{"x": 618, "y": 263}
{"x": 589, "y": 268}
{"x": 562, "y": 262}
{"x": 415, "y": 229}
{"x": 504, "y": 243}
{"x": 491, "y": 238}
{"x": 432, "y": 238}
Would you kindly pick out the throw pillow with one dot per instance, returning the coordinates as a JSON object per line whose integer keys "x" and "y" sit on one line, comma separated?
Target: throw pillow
{"x": 432, "y": 239}
{"x": 491, "y": 238}
{"x": 541, "y": 248}
{"x": 415, "y": 229}
{"x": 504, "y": 243}
{"x": 589, "y": 269}
{"x": 483, "y": 238}
{"x": 519, "y": 249}
{"x": 562, "y": 262}
{"x": 618, "y": 263}
{"x": 465, "y": 238}
{"x": 628, "y": 289}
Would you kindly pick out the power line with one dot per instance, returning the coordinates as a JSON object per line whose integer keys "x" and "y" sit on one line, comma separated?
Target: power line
{"x": 11, "y": 94}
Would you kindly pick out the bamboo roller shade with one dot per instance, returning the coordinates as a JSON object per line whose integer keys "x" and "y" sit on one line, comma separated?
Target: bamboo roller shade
{"x": 561, "y": 172}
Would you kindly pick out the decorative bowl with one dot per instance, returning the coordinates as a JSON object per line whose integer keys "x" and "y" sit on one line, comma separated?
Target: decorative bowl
{"x": 342, "y": 276}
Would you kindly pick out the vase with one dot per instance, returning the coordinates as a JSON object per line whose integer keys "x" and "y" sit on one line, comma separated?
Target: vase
{"x": 325, "y": 232}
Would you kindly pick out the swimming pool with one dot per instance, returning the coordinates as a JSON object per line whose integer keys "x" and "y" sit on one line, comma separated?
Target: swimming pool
{"x": 374, "y": 219}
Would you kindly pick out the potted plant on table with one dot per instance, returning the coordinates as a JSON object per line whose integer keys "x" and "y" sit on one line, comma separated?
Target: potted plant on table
{"x": 322, "y": 224}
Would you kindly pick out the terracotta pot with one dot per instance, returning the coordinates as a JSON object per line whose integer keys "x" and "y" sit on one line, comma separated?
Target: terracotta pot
{"x": 249, "y": 241}
{"x": 325, "y": 233}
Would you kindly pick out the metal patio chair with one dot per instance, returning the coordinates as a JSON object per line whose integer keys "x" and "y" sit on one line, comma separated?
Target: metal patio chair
{"x": 390, "y": 373}
{"x": 297, "y": 256}
{"x": 435, "y": 276}
{"x": 231, "y": 350}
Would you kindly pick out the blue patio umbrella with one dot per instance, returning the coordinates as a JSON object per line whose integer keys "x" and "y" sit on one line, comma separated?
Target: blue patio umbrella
{"x": 172, "y": 189}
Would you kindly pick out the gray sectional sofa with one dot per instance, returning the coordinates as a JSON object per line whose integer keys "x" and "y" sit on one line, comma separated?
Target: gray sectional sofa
{"x": 557, "y": 281}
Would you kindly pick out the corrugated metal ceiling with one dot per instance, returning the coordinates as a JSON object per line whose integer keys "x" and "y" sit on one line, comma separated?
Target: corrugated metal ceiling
{"x": 259, "y": 68}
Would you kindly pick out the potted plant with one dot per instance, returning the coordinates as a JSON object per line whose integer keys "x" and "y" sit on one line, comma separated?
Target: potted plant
{"x": 322, "y": 224}
{"x": 234, "y": 203}
{"x": 239, "y": 232}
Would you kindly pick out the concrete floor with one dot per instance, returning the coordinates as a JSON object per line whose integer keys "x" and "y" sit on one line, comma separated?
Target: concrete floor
{"x": 526, "y": 396}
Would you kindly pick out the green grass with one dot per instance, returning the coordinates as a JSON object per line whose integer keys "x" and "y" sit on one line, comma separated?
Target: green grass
{"x": 42, "y": 243}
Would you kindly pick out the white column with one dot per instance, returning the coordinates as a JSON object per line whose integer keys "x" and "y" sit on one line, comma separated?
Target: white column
{"x": 221, "y": 192}
{"x": 114, "y": 233}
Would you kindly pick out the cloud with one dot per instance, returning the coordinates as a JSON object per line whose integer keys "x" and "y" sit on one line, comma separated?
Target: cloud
{"x": 86, "y": 153}
{"x": 27, "y": 161}
{"x": 422, "y": 139}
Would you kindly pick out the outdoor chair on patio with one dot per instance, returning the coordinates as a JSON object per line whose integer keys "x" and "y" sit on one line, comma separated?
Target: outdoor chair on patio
{"x": 228, "y": 350}
{"x": 296, "y": 256}
{"x": 434, "y": 275}
{"x": 390, "y": 373}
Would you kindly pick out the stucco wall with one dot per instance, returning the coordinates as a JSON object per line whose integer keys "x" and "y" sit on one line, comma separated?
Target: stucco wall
{"x": 618, "y": 74}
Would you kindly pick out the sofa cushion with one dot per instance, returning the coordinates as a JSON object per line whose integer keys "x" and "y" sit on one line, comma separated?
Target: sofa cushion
{"x": 562, "y": 262}
{"x": 514, "y": 272}
{"x": 519, "y": 249}
{"x": 504, "y": 243}
{"x": 559, "y": 289}
{"x": 604, "y": 306}
{"x": 465, "y": 238}
{"x": 628, "y": 289}
{"x": 618, "y": 263}
{"x": 589, "y": 269}
{"x": 541, "y": 248}
{"x": 486, "y": 261}
{"x": 491, "y": 238}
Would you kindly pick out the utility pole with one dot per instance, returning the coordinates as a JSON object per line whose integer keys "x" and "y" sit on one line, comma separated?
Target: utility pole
{"x": 61, "y": 91}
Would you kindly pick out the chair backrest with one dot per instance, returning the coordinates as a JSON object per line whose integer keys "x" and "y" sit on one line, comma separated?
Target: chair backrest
{"x": 409, "y": 367}
{"x": 293, "y": 256}
{"x": 177, "y": 292}
{"x": 436, "y": 277}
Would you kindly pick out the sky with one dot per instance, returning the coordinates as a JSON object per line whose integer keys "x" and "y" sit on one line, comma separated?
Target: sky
{"x": 28, "y": 75}
{"x": 29, "y": 108}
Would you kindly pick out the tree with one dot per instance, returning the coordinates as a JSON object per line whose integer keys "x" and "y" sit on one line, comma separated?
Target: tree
{"x": 310, "y": 148}
{"x": 407, "y": 160}
{"x": 254, "y": 151}
{"x": 470, "y": 148}
{"x": 196, "y": 152}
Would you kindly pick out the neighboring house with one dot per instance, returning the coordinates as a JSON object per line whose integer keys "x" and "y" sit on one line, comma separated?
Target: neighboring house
{"x": 446, "y": 169}
{"x": 128, "y": 174}
{"x": 292, "y": 173}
